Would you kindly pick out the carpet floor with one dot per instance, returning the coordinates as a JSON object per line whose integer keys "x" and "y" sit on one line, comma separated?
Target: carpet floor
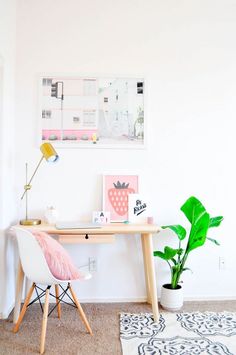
{"x": 68, "y": 335}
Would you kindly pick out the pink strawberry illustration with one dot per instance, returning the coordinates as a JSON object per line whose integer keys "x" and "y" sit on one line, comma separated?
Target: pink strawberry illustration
{"x": 118, "y": 197}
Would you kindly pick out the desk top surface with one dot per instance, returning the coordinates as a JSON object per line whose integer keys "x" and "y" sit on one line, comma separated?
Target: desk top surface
{"x": 112, "y": 228}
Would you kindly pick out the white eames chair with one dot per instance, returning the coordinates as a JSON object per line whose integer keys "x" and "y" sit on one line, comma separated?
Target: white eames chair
{"x": 36, "y": 269}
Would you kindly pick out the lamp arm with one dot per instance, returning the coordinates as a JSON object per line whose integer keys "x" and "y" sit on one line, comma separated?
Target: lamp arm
{"x": 27, "y": 186}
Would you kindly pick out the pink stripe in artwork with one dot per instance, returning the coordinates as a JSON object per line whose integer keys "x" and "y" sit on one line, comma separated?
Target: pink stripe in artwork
{"x": 70, "y": 134}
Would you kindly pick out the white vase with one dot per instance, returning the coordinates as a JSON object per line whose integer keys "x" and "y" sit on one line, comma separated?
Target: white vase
{"x": 51, "y": 215}
{"x": 171, "y": 299}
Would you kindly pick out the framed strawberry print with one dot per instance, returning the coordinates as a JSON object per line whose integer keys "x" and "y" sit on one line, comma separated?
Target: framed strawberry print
{"x": 116, "y": 190}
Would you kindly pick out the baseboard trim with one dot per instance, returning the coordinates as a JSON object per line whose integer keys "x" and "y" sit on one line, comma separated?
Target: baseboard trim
{"x": 210, "y": 298}
{"x": 144, "y": 299}
{"x": 5, "y": 314}
{"x": 114, "y": 300}
{"x": 106, "y": 300}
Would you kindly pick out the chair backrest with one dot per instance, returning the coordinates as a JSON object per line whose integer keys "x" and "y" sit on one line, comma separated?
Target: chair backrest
{"x": 32, "y": 258}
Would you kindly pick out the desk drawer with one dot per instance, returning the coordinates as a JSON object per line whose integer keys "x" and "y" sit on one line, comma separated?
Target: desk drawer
{"x": 86, "y": 238}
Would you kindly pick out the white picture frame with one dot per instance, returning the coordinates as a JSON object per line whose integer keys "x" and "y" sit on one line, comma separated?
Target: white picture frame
{"x": 92, "y": 111}
{"x": 116, "y": 190}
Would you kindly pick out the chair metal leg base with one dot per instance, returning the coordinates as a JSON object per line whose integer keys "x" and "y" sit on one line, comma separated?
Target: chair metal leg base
{"x": 46, "y": 314}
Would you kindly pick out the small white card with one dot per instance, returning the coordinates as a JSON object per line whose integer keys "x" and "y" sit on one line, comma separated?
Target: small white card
{"x": 138, "y": 208}
{"x": 101, "y": 217}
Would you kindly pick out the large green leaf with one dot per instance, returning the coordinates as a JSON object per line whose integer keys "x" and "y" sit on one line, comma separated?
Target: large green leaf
{"x": 178, "y": 230}
{"x": 198, "y": 232}
{"x": 160, "y": 254}
{"x": 168, "y": 254}
{"x": 215, "y": 221}
{"x": 193, "y": 209}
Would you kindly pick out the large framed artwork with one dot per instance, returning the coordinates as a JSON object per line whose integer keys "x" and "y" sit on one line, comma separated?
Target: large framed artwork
{"x": 95, "y": 112}
{"x": 116, "y": 191}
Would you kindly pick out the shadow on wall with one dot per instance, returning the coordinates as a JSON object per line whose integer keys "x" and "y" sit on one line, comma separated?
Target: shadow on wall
{"x": 1, "y": 133}
{"x": 7, "y": 254}
{"x": 2, "y": 237}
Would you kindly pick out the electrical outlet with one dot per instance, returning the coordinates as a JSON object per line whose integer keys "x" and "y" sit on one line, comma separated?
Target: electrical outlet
{"x": 92, "y": 262}
{"x": 221, "y": 263}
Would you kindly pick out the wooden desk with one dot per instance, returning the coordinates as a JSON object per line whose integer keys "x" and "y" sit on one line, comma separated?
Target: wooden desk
{"x": 103, "y": 235}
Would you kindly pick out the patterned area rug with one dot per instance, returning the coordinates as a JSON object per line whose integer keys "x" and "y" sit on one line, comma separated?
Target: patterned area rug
{"x": 195, "y": 333}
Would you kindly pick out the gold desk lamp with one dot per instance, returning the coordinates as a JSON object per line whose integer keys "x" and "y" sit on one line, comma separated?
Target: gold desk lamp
{"x": 50, "y": 155}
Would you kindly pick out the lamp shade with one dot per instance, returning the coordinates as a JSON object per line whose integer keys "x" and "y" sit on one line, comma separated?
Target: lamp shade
{"x": 49, "y": 152}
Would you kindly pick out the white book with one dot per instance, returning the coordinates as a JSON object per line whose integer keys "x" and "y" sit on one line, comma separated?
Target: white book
{"x": 76, "y": 225}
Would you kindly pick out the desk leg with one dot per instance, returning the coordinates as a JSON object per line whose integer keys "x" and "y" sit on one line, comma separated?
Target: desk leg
{"x": 150, "y": 273}
{"x": 18, "y": 296}
{"x": 146, "y": 268}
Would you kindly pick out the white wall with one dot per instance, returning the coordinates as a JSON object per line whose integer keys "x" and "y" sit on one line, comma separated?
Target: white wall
{"x": 7, "y": 204}
{"x": 186, "y": 51}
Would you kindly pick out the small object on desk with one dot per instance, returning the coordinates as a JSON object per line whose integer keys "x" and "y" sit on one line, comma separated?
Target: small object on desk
{"x": 51, "y": 215}
{"x": 50, "y": 155}
{"x": 76, "y": 225}
{"x": 101, "y": 217}
{"x": 150, "y": 220}
{"x": 138, "y": 208}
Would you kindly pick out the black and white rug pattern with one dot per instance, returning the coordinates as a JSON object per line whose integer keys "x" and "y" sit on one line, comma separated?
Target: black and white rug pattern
{"x": 196, "y": 333}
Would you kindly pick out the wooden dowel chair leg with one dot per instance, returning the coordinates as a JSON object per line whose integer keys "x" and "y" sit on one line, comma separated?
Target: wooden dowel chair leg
{"x": 80, "y": 310}
{"x": 44, "y": 323}
{"x": 58, "y": 303}
{"x": 22, "y": 313}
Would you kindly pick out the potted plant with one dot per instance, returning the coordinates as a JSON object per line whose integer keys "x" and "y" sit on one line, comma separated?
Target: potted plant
{"x": 171, "y": 294}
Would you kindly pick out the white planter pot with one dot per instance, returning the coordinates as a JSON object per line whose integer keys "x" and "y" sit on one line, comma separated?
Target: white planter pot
{"x": 171, "y": 299}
